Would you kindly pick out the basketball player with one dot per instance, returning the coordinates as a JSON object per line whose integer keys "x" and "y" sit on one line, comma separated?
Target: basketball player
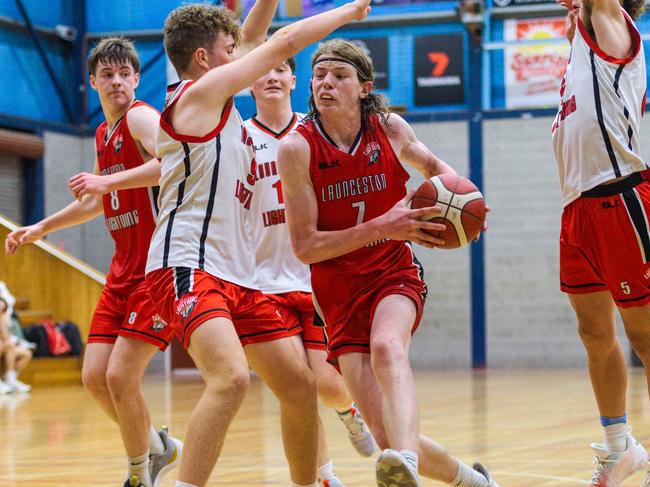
{"x": 201, "y": 264}
{"x": 347, "y": 210}
{"x": 126, "y": 330}
{"x": 604, "y": 240}
{"x": 283, "y": 278}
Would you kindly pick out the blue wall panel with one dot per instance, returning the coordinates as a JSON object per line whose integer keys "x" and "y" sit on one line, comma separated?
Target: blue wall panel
{"x": 42, "y": 13}
{"x": 25, "y": 88}
{"x": 128, "y": 14}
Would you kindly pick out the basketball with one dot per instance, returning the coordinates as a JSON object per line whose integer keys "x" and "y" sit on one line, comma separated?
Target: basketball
{"x": 462, "y": 204}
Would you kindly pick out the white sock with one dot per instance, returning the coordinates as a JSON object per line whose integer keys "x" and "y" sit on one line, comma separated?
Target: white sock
{"x": 156, "y": 446}
{"x": 140, "y": 466}
{"x": 11, "y": 376}
{"x": 616, "y": 437}
{"x": 326, "y": 471}
{"x": 184, "y": 484}
{"x": 411, "y": 457}
{"x": 293, "y": 484}
{"x": 468, "y": 477}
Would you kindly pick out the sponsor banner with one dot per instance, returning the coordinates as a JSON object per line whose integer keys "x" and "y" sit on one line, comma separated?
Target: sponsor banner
{"x": 515, "y": 3}
{"x": 533, "y": 73}
{"x": 438, "y": 67}
{"x": 377, "y": 49}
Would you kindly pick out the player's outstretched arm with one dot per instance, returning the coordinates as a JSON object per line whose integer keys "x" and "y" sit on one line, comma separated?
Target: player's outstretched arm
{"x": 311, "y": 245}
{"x": 77, "y": 212}
{"x": 143, "y": 122}
{"x": 195, "y": 110}
{"x": 412, "y": 151}
{"x": 143, "y": 176}
{"x": 256, "y": 26}
{"x": 610, "y": 28}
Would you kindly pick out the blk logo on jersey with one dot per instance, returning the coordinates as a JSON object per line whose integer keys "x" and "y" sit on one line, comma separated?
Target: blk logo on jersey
{"x": 329, "y": 164}
{"x": 158, "y": 324}
{"x": 260, "y": 147}
{"x": 185, "y": 305}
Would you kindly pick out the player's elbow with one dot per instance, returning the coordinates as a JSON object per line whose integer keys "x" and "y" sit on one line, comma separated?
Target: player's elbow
{"x": 286, "y": 40}
{"x": 303, "y": 251}
{"x": 303, "y": 254}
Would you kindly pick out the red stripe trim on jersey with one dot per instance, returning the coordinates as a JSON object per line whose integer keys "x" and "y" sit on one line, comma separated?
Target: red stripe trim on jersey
{"x": 593, "y": 45}
{"x": 271, "y": 132}
{"x": 165, "y": 122}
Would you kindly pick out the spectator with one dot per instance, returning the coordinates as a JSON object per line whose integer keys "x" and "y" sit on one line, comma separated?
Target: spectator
{"x": 15, "y": 356}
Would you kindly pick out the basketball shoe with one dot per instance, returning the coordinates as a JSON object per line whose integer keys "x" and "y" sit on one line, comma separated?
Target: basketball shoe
{"x": 160, "y": 464}
{"x": 333, "y": 482}
{"x": 17, "y": 386}
{"x": 358, "y": 432}
{"x": 484, "y": 471}
{"x": 612, "y": 467}
{"x": 5, "y": 388}
{"x": 393, "y": 470}
{"x": 133, "y": 481}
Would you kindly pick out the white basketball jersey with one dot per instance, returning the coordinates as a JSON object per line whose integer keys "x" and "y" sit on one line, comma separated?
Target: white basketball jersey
{"x": 597, "y": 129}
{"x": 206, "y": 190}
{"x": 278, "y": 269}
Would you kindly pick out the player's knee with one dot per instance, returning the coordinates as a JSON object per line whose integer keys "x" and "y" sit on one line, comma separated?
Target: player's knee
{"x": 300, "y": 389}
{"x": 333, "y": 392}
{"x": 234, "y": 383}
{"x": 641, "y": 344}
{"x": 595, "y": 337}
{"x": 94, "y": 380}
{"x": 385, "y": 351}
{"x": 120, "y": 383}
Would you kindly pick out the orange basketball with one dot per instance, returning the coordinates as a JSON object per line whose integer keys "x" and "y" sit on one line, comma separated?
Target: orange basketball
{"x": 463, "y": 208}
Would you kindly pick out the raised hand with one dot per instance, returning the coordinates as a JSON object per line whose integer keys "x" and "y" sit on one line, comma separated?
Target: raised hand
{"x": 363, "y": 8}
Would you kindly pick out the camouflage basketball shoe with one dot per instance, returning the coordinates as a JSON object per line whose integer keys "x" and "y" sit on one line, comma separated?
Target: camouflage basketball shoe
{"x": 394, "y": 470}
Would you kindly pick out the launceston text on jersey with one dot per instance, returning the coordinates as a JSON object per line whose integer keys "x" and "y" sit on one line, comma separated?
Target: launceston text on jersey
{"x": 354, "y": 187}
{"x": 123, "y": 220}
{"x": 113, "y": 169}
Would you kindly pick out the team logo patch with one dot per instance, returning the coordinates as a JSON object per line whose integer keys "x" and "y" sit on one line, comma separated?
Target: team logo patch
{"x": 185, "y": 306}
{"x": 373, "y": 151}
{"x": 158, "y": 324}
{"x": 117, "y": 145}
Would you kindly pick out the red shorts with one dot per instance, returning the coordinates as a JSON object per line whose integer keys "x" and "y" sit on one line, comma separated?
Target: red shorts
{"x": 191, "y": 297}
{"x": 348, "y": 327}
{"x": 131, "y": 316}
{"x": 297, "y": 311}
{"x": 605, "y": 243}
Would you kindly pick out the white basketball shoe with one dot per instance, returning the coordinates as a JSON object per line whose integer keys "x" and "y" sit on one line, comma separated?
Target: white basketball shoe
{"x": 612, "y": 467}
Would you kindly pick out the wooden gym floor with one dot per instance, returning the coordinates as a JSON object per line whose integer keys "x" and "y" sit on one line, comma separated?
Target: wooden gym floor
{"x": 532, "y": 428}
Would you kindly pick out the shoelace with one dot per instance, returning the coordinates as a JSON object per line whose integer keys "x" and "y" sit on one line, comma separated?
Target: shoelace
{"x": 354, "y": 424}
{"x": 600, "y": 474}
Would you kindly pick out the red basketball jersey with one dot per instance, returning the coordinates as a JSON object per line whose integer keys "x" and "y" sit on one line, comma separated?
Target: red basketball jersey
{"x": 128, "y": 213}
{"x": 351, "y": 188}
